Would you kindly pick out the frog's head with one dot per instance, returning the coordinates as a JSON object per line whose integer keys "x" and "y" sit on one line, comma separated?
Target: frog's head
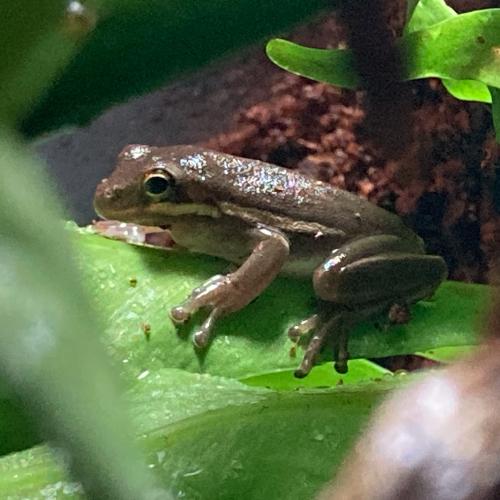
{"x": 151, "y": 185}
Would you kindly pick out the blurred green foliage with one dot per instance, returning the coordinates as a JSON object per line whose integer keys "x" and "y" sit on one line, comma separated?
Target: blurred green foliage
{"x": 50, "y": 355}
{"x": 137, "y": 46}
{"x": 208, "y": 437}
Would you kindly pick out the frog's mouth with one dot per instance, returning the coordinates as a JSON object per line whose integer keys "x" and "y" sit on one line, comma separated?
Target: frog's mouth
{"x": 157, "y": 214}
{"x": 135, "y": 234}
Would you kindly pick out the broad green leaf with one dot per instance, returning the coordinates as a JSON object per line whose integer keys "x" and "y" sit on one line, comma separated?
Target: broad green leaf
{"x": 447, "y": 354}
{"x": 430, "y": 12}
{"x": 464, "y": 47}
{"x": 467, "y": 33}
{"x": 50, "y": 355}
{"x": 426, "y": 13}
{"x": 136, "y": 48}
{"x": 336, "y": 67}
{"x": 224, "y": 440}
{"x": 360, "y": 370}
{"x": 133, "y": 286}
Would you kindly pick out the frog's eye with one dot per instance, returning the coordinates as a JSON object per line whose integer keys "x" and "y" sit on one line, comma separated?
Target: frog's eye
{"x": 158, "y": 185}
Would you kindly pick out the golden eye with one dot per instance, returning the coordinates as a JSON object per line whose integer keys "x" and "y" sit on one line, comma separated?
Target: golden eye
{"x": 158, "y": 185}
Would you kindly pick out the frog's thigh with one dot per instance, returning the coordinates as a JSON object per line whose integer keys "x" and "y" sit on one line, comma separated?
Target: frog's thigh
{"x": 348, "y": 277}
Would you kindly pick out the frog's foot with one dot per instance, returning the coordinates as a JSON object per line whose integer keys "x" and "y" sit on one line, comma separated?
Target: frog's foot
{"x": 220, "y": 295}
{"x": 225, "y": 294}
{"x": 211, "y": 295}
{"x": 331, "y": 329}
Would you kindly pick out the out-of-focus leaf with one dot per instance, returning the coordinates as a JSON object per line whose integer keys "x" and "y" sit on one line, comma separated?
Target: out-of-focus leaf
{"x": 137, "y": 46}
{"x": 133, "y": 287}
{"x": 34, "y": 45}
{"x": 50, "y": 353}
{"x": 16, "y": 430}
{"x": 360, "y": 370}
{"x": 464, "y": 47}
{"x": 223, "y": 439}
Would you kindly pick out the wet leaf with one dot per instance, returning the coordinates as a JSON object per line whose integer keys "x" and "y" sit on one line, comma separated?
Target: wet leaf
{"x": 222, "y": 439}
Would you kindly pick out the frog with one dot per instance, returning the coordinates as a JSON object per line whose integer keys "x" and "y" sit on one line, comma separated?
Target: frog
{"x": 268, "y": 220}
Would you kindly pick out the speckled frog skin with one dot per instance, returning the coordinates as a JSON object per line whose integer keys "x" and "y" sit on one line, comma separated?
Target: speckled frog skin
{"x": 269, "y": 220}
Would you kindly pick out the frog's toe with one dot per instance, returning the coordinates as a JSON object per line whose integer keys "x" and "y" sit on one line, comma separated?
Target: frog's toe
{"x": 340, "y": 352}
{"x": 203, "y": 296}
{"x": 304, "y": 327}
{"x": 313, "y": 349}
{"x": 179, "y": 314}
{"x": 203, "y": 336}
{"x": 316, "y": 343}
{"x": 330, "y": 328}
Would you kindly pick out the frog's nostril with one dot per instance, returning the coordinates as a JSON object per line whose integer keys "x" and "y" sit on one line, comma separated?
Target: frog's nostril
{"x": 112, "y": 192}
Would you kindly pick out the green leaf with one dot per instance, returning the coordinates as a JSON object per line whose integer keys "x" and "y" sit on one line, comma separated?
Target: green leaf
{"x": 464, "y": 47}
{"x": 430, "y": 12}
{"x": 134, "y": 49}
{"x": 426, "y": 13}
{"x": 50, "y": 355}
{"x": 34, "y": 45}
{"x": 336, "y": 67}
{"x": 468, "y": 90}
{"x": 447, "y": 354}
{"x": 16, "y": 429}
{"x": 253, "y": 341}
{"x": 410, "y": 8}
{"x": 360, "y": 370}
{"x": 224, "y": 440}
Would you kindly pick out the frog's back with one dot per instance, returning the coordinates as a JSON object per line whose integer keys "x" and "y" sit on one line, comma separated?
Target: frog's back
{"x": 289, "y": 197}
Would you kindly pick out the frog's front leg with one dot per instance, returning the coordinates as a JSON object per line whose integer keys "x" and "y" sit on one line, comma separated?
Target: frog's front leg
{"x": 364, "y": 278}
{"x": 224, "y": 294}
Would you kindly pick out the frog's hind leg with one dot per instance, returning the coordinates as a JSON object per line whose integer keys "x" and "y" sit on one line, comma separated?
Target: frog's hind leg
{"x": 361, "y": 280}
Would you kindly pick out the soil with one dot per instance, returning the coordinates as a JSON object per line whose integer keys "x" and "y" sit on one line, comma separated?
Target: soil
{"x": 444, "y": 184}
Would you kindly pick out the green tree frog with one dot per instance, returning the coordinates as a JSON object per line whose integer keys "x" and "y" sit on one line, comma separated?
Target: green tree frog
{"x": 269, "y": 220}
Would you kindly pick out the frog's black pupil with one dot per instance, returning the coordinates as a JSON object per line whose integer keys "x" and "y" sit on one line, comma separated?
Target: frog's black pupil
{"x": 157, "y": 184}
